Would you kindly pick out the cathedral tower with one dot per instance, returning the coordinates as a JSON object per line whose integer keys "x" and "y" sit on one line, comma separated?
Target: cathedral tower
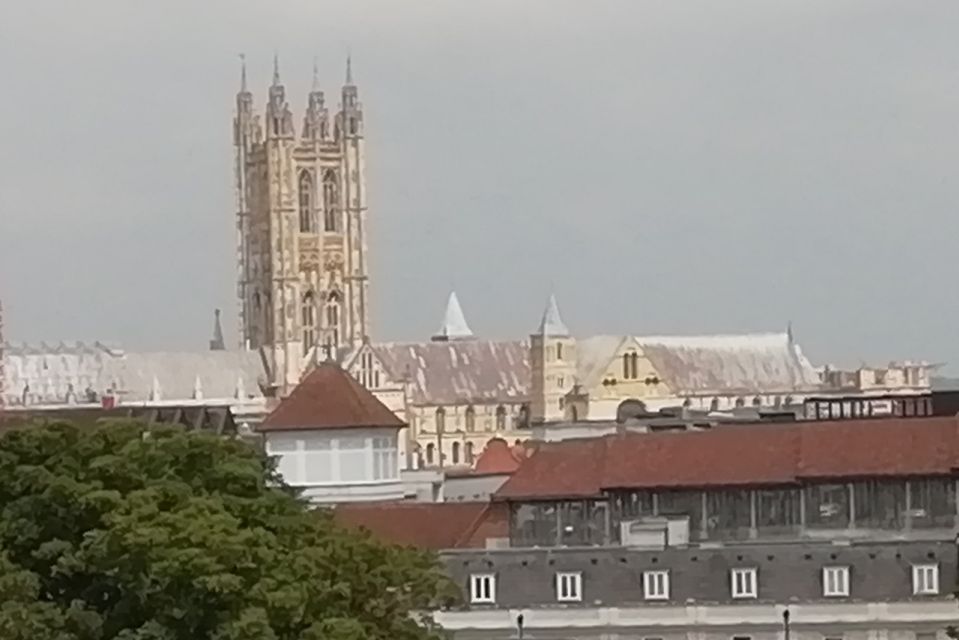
{"x": 301, "y": 218}
{"x": 552, "y": 366}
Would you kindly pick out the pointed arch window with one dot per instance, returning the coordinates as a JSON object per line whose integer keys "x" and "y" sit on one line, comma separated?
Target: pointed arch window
{"x": 308, "y": 321}
{"x": 332, "y": 311}
{"x": 630, "y": 366}
{"x": 470, "y": 418}
{"x": 331, "y": 201}
{"x": 305, "y": 191}
{"x": 501, "y": 418}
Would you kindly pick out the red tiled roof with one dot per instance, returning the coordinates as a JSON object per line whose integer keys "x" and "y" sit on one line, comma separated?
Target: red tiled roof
{"x": 429, "y": 525}
{"x": 329, "y": 398}
{"x": 739, "y": 455}
{"x": 569, "y": 469}
{"x": 499, "y": 457}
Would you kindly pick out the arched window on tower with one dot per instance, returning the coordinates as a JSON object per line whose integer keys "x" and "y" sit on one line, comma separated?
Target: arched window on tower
{"x": 501, "y": 418}
{"x": 307, "y": 219}
{"x": 456, "y": 453}
{"x": 430, "y": 453}
{"x": 469, "y": 453}
{"x": 331, "y": 208}
{"x": 333, "y": 317}
{"x": 308, "y": 321}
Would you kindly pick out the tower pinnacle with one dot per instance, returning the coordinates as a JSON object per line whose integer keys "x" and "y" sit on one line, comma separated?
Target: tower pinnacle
{"x": 349, "y": 69}
{"x": 243, "y": 73}
{"x": 276, "y": 69}
{"x": 454, "y": 325}
{"x": 316, "y": 77}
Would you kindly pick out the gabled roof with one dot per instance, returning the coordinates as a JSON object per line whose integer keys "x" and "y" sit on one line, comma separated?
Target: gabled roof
{"x": 454, "y": 325}
{"x": 746, "y": 363}
{"x": 427, "y": 525}
{"x": 329, "y": 398}
{"x": 741, "y": 455}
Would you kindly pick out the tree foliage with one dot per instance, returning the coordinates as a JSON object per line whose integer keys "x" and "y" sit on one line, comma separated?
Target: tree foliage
{"x": 135, "y": 533}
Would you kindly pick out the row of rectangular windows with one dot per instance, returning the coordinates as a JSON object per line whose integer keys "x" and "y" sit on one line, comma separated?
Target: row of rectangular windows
{"x": 743, "y": 584}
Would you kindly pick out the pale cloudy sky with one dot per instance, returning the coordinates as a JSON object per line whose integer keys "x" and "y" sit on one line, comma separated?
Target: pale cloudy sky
{"x": 666, "y": 167}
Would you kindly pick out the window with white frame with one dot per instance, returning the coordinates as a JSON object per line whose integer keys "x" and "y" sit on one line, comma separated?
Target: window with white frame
{"x": 656, "y": 585}
{"x": 482, "y": 588}
{"x": 925, "y": 579}
{"x": 835, "y": 582}
{"x": 569, "y": 586}
{"x": 743, "y": 583}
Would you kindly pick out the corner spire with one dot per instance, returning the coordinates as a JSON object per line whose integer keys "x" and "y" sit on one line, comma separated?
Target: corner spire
{"x": 316, "y": 76}
{"x": 349, "y": 69}
{"x": 276, "y": 69}
{"x": 217, "y": 343}
{"x": 454, "y": 325}
{"x": 243, "y": 88}
{"x": 552, "y": 323}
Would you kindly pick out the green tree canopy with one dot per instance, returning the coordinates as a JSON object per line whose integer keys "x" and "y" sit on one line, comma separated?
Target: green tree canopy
{"x": 124, "y": 531}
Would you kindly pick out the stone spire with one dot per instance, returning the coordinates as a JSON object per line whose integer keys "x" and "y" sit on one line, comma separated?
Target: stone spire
{"x": 349, "y": 70}
{"x": 217, "y": 343}
{"x": 243, "y": 87}
{"x": 276, "y": 69}
{"x": 454, "y": 322}
{"x": 552, "y": 323}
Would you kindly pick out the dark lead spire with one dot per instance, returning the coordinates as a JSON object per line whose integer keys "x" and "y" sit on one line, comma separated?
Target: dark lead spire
{"x": 217, "y": 343}
{"x": 243, "y": 73}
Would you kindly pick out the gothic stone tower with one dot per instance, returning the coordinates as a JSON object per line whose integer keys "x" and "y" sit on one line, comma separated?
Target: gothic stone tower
{"x": 303, "y": 283}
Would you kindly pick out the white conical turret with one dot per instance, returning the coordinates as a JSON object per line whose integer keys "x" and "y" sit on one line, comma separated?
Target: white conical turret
{"x": 552, "y": 323}
{"x": 454, "y": 322}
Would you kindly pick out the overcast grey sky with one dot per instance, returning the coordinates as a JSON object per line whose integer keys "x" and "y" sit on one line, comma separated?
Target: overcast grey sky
{"x": 666, "y": 167}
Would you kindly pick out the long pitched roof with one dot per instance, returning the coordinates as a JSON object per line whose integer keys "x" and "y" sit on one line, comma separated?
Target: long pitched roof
{"x": 459, "y": 372}
{"x": 742, "y": 455}
{"x": 329, "y": 398}
{"x": 747, "y": 363}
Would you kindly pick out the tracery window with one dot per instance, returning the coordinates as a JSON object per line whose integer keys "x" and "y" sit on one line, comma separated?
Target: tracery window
{"x": 308, "y": 321}
{"x": 307, "y": 220}
{"x": 331, "y": 210}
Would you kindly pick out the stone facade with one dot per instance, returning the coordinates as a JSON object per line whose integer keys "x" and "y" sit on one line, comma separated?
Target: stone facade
{"x": 301, "y": 217}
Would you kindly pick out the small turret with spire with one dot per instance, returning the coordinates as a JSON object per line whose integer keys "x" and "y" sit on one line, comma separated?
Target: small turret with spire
{"x": 315, "y": 122}
{"x": 350, "y": 122}
{"x": 553, "y": 366}
{"x": 279, "y": 118}
{"x": 216, "y": 342}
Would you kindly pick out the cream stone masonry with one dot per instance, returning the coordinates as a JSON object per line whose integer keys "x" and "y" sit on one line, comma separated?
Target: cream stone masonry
{"x": 303, "y": 282}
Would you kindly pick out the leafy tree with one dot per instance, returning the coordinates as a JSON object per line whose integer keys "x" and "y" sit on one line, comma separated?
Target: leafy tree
{"x": 124, "y": 531}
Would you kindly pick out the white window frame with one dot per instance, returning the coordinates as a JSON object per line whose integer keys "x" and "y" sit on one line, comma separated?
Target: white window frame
{"x": 569, "y": 586}
{"x": 483, "y": 588}
{"x": 748, "y": 577}
{"x": 835, "y": 582}
{"x": 652, "y": 581}
{"x": 925, "y": 579}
